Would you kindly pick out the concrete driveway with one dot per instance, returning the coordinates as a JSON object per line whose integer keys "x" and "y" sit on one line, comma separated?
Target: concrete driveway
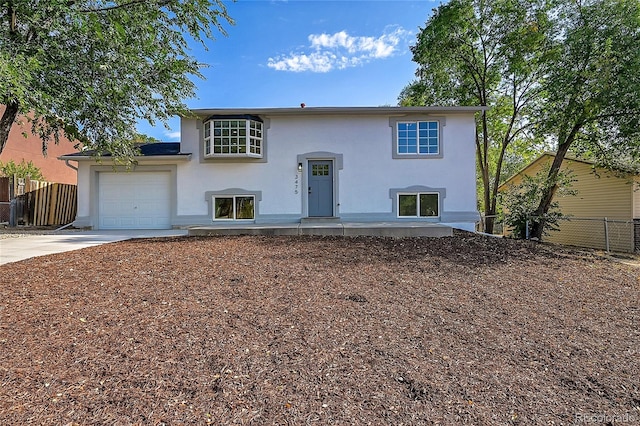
{"x": 24, "y": 246}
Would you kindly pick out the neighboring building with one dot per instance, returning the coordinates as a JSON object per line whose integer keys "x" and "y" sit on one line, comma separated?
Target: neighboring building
{"x": 600, "y": 194}
{"x": 19, "y": 148}
{"x": 283, "y": 165}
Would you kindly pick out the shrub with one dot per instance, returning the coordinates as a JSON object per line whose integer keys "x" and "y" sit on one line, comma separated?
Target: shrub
{"x": 22, "y": 170}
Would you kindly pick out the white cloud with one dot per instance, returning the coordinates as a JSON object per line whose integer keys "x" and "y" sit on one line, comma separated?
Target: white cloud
{"x": 341, "y": 50}
{"x": 172, "y": 135}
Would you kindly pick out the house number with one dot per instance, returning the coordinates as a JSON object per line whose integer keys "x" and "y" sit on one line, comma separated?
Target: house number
{"x": 296, "y": 183}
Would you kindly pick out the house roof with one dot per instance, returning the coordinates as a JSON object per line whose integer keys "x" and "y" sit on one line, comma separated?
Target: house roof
{"x": 306, "y": 111}
{"x": 552, "y": 155}
{"x": 155, "y": 150}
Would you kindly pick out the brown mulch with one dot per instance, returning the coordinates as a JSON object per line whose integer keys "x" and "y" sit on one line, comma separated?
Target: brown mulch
{"x": 310, "y": 330}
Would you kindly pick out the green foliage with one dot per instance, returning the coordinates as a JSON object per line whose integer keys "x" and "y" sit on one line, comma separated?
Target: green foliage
{"x": 520, "y": 202}
{"x": 21, "y": 170}
{"x": 591, "y": 87}
{"x": 485, "y": 53}
{"x": 92, "y": 69}
{"x": 554, "y": 72}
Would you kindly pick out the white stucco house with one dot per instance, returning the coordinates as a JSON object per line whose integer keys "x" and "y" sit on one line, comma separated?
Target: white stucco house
{"x": 284, "y": 165}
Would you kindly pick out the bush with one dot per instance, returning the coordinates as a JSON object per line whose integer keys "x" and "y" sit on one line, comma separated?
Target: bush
{"x": 520, "y": 201}
{"x": 22, "y": 170}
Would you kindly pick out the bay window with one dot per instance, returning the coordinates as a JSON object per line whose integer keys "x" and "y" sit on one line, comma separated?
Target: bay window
{"x": 233, "y": 136}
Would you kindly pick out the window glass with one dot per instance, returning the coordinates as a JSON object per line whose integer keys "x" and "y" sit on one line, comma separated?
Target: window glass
{"x": 224, "y": 208}
{"x": 234, "y": 137}
{"x": 418, "y": 205}
{"x": 407, "y": 205}
{"x": 429, "y": 205}
{"x": 234, "y": 207}
{"x": 419, "y": 137}
{"x": 244, "y": 207}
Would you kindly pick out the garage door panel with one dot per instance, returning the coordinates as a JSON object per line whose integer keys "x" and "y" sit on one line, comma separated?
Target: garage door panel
{"x": 139, "y": 200}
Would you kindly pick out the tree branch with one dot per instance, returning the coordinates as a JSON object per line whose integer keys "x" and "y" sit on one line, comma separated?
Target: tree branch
{"x": 123, "y": 6}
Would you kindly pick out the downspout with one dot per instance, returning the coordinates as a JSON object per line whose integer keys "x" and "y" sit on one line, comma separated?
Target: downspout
{"x": 70, "y": 166}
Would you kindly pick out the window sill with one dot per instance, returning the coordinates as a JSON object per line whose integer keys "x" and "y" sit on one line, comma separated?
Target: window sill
{"x": 419, "y": 217}
{"x": 223, "y": 156}
{"x": 397, "y": 156}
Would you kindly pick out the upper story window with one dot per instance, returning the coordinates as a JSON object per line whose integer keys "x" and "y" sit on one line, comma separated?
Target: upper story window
{"x": 233, "y": 136}
{"x": 418, "y": 137}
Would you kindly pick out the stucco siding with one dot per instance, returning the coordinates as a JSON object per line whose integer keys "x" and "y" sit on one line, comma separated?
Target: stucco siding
{"x": 366, "y": 175}
{"x": 363, "y": 184}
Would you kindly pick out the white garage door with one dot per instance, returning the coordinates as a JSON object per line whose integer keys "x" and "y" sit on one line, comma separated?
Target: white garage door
{"x": 136, "y": 200}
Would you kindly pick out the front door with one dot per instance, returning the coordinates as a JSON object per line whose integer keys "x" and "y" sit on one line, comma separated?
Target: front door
{"x": 320, "y": 188}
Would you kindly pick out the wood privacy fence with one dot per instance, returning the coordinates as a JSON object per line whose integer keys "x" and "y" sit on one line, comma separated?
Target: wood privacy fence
{"x": 41, "y": 203}
{"x": 5, "y": 199}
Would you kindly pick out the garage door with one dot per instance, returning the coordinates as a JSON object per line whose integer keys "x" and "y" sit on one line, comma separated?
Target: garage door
{"x": 136, "y": 200}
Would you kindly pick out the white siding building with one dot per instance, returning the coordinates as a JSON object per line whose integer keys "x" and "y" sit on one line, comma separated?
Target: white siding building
{"x": 283, "y": 165}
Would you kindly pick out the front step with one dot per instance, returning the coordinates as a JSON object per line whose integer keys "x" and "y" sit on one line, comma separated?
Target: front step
{"x": 319, "y": 220}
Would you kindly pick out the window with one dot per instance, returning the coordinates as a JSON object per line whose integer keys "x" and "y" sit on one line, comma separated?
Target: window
{"x": 418, "y": 138}
{"x": 418, "y": 205}
{"x": 234, "y": 207}
{"x": 320, "y": 170}
{"x": 233, "y": 136}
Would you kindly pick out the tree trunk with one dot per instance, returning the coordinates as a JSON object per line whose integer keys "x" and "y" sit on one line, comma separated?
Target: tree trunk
{"x": 484, "y": 165}
{"x": 6, "y": 122}
{"x": 537, "y": 226}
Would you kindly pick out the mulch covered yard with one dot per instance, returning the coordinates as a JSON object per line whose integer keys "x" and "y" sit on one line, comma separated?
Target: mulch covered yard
{"x": 311, "y": 330}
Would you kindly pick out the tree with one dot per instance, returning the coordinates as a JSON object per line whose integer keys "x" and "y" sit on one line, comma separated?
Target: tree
{"x": 22, "y": 170}
{"x": 90, "y": 70}
{"x": 486, "y": 53}
{"x": 519, "y": 201}
{"x": 592, "y": 87}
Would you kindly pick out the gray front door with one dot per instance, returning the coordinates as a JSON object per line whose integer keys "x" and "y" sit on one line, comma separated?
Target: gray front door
{"x": 321, "y": 188}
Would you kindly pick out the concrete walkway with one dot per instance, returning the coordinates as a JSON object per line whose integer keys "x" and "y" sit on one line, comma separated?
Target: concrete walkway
{"x": 15, "y": 248}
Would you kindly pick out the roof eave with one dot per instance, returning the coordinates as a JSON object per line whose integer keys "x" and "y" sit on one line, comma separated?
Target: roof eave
{"x": 341, "y": 110}
{"x": 138, "y": 158}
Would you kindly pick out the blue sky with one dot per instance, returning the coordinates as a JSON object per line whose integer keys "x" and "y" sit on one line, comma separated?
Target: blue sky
{"x": 282, "y": 53}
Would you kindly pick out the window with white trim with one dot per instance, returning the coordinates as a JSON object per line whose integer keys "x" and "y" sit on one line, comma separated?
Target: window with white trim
{"x": 233, "y": 207}
{"x": 239, "y": 136}
{"x": 424, "y": 204}
{"x": 418, "y": 138}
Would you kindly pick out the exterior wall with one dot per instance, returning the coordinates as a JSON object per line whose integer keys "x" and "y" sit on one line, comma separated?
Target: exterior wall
{"x": 19, "y": 148}
{"x": 636, "y": 199}
{"x": 88, "y": 181}
{"x": 368, "y": 171}
{"x": 366, "y": 174}
{"x": 601, "y": 194}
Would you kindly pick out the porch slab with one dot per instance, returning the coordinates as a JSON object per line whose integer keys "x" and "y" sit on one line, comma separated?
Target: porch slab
{"x": 245, "y": 229}
{"x": 348, "y": 229}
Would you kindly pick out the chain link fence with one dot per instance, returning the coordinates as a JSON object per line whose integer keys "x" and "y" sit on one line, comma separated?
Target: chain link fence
{"x": 597, "y": 233}
{"x": 499, "y": 228}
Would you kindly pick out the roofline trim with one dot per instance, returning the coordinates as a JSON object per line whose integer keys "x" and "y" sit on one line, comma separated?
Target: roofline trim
{"x": 175, "y": 157}
{"x": 552, "y": 155}
{"x": 339, "y": 110}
